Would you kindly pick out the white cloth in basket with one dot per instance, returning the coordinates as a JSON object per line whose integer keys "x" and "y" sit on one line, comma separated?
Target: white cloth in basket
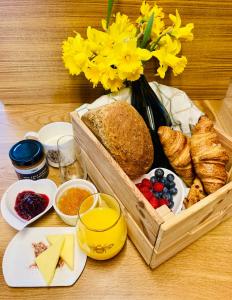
{"x": 183, "y": 112}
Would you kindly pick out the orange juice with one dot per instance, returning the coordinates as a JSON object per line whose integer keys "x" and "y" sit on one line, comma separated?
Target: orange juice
{"x": 101, "y": 232}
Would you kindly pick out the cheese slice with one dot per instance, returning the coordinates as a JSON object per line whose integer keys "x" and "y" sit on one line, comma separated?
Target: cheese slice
{"x": 48, "y": 260}
{"x": 67, "y": 252}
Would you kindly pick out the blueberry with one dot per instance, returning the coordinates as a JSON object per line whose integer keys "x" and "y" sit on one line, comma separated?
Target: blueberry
{"x": 153, "y": 179}
{"x": 170, "y": 177}
{"x": 171, "y": 185}
{"x": 166, "y": 196}
{"x": 173, "y": 191}
{"x": 159, "y": 173}
{"x": 165, "y": 190}
{"x": 171, "y": 204}
{"x": 158, "y": 195}
{"x": 162, "y": 180}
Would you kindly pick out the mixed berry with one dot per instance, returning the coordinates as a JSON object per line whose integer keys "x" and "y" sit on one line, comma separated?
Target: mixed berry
{"x": 159, "y": 190}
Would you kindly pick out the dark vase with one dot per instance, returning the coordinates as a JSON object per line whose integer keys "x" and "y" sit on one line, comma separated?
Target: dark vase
{"x": 154, "y": 114}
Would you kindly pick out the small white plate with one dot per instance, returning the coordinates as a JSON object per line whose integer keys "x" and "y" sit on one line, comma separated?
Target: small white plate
{"x": 19, "y": 255}
{"x": 179, "y": 197}
{"x": 43, "y": 186}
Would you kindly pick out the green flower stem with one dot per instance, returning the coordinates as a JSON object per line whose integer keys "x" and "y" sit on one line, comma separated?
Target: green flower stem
{"x": 109, "y": 12}
{"x": 147, "y": 31}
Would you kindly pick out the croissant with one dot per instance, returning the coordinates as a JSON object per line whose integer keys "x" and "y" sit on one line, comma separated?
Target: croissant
{"x": 196, "y": 193}
{"x": 208, "y": 155}
{"x": 177, "y": 149}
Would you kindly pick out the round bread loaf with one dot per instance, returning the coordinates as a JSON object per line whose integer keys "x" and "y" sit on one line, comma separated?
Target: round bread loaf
{"x": 123, "y": 132}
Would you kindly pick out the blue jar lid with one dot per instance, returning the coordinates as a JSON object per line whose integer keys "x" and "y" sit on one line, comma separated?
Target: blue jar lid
{"x": 26, "y": 152}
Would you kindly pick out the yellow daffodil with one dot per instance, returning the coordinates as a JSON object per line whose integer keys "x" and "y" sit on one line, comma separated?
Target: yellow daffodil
{"x": 96, "y": 39}
{"x": 146, "y": 11}
{"x": 122, "y": 29}
{"x": 166, "y": 55}
{"x": 76, "y": 54}
{"x": 113, "y": 84}
{"x": 129, "y": 58}
{"x": 184, "y": 32}
{"x": 92, "y": 73}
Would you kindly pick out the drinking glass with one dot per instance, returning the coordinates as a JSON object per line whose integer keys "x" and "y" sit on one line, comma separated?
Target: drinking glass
{"x": 71, "y": 161}
{"x": 101, "y": 231}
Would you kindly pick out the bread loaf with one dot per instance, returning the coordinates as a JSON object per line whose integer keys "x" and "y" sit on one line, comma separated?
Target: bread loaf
{"x": 123, "y": 132}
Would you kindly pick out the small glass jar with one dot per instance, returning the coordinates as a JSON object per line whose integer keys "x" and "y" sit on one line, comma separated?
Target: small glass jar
{"x": 29, "y": 160}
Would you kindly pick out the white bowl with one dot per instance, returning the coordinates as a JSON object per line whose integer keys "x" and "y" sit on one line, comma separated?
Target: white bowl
{"x": 179, "y": 197}
{"x": 80, "y": 183}
{"x": 42, "y": 186}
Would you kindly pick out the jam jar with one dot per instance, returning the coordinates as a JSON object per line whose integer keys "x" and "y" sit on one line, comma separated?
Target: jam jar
{"x": 29, "y": 160}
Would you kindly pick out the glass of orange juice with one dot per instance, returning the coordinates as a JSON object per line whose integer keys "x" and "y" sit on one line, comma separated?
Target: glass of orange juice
{"x": 101, "y": 231}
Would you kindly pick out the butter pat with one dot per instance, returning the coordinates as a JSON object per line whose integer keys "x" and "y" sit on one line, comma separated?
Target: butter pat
{"x": 47, "y": 260}
{"x": 67, "y": 251}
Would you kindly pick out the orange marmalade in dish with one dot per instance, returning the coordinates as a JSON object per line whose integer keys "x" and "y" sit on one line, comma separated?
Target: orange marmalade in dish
{"x": 70, "y": 200}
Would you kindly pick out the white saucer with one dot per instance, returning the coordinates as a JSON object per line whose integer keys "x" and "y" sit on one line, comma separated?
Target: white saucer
{"x": 19, "y": 255}
{"x": 182, "y": 189}
{"x": 43, "y": 186}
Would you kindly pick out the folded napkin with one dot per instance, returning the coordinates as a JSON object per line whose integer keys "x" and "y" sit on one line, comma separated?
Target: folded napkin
{"x": 184, "y": 114}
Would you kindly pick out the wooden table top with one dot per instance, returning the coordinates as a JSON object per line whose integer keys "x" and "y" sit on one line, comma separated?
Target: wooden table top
{"x": 201, "y": 271}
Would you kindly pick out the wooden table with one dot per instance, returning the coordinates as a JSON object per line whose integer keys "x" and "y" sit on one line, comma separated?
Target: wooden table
{"x": 201, "y": 271}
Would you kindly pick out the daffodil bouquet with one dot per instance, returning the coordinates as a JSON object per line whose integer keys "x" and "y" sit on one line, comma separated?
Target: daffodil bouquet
{"x": 115, "y": 54}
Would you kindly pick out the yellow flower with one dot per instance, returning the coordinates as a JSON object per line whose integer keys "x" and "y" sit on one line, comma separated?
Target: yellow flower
{"x": 129, "y": 59}
{"x": 112, "y": 84}
{"x": 92, "y": 73}
{"x": 135, "y": 74}
{"x": 75, "y": 54}
{"x": 122, "y": 29}
{"x": 158, "y": 25}
{"x": 181, "y": 32}
{"x": 166, "y": 55}
{"x": 145, "y": 8}
{"x": 96, "y": 39}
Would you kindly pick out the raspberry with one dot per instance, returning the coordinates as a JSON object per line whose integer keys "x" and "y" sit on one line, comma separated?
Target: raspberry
{"x": 146, "y": 182}
{"x": 148, "y": 195}
{"x": 163, "y": 202}
{"x": 158, "y": 187}
{"x": 144, "y": 189}
{"x": 139, "y": 185}
{"x": 154, "y": 202}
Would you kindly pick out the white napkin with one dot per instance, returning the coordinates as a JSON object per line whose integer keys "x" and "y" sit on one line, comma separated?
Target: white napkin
{"x": 183, "y": 112}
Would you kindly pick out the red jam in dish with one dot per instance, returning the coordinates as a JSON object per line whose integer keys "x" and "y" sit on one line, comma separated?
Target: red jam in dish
{"x": 29, "y": 204}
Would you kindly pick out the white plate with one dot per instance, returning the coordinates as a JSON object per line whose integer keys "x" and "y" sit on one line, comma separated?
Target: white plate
{"x": 19, "y": 255}
{"x": 43, "y": 186}
{"x": 182, "y": 190}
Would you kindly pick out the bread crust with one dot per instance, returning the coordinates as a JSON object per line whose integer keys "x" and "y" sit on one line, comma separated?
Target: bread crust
{"x": 123, "y": 132}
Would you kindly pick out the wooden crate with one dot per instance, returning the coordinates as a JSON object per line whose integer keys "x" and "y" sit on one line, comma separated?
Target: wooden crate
{"x": 157, "y": 234}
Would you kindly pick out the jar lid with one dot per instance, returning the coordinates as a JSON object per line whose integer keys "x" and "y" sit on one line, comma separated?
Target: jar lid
{"x": 26, "y": 152}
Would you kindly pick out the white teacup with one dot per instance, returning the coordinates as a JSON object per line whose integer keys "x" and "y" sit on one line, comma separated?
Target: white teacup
{"x": 48, "y": 136}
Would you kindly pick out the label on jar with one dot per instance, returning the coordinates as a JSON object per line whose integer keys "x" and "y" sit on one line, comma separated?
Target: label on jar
{"x": 35, "y": 173}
